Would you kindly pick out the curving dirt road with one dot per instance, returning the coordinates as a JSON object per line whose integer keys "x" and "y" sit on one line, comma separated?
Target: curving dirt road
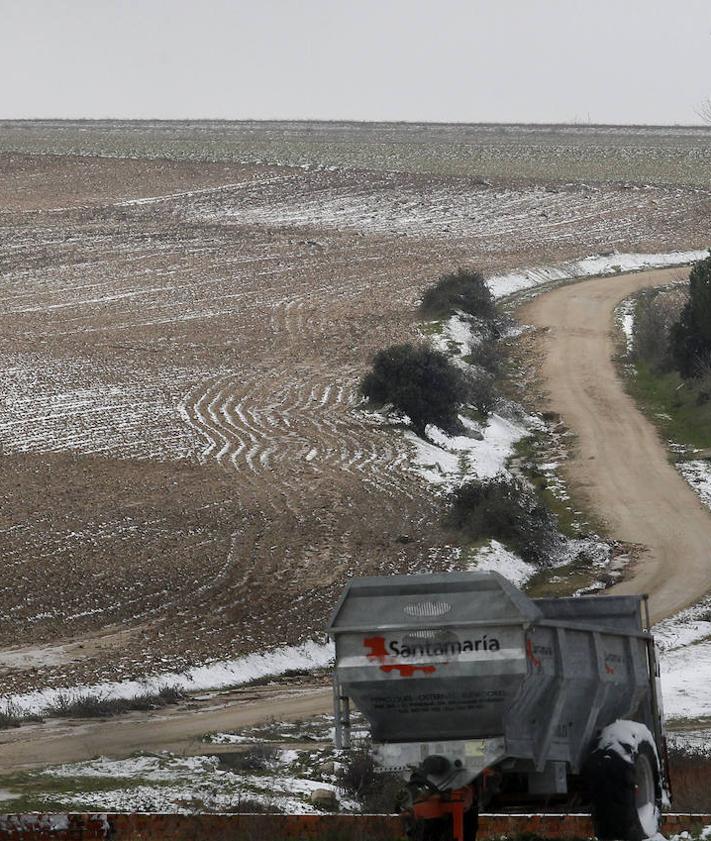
{"x": 620, "y": 466}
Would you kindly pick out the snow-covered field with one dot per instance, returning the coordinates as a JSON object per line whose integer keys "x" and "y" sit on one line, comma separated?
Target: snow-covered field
{"x": 51, "y": 407}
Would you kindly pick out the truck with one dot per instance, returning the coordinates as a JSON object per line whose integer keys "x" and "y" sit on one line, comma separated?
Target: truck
{"x": 483, "y": 698}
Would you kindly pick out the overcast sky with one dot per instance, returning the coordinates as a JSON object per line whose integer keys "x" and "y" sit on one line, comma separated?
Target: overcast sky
{"x": 606, "y": 61}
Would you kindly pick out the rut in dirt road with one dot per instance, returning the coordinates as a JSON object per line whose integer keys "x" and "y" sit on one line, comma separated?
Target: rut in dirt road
{"x": 620, "y": 467}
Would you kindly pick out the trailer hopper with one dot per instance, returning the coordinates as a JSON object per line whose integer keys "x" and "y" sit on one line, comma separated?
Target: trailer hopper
{"x": 461, "y": 672}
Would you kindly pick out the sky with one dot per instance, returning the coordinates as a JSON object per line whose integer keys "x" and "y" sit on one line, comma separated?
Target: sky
{"x": 600, "y": 61}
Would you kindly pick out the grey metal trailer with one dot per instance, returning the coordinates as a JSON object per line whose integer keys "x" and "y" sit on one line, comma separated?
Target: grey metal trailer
{"x": 483, "y": 697}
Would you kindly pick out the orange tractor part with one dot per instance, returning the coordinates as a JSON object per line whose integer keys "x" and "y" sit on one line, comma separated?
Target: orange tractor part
{"x": 454, "y": 803}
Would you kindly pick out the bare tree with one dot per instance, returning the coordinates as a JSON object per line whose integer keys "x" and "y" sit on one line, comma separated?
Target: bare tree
{"x": 704, "y": 111}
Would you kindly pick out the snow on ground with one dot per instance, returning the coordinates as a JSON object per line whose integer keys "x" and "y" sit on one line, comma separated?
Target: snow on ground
{"x": 624, "y": 315}
{"x": 449, "y": 460}
{"x": 221, "y": 674}
{"x": 497, "y": 558}
{"x": 74, "y": 405}
{"x": 698, "y": 474}
{"x": 456, "y": 336}
{"x": 444, "y": 461}
{"x": 186, "y": 784}
{"x": 602, "y": 264}
{"x": 684, "y": 641}
{"x": 686, "y": 677}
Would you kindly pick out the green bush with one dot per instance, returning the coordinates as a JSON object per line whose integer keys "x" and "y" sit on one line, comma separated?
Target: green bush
{"x": 690, "y": 337}
{"x": 420, "y": 382}
{"x": 462, "y": 291}
{"x": 506, "y": 510}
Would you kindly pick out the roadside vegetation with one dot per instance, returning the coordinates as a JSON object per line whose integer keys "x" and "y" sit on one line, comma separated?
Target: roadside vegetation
{"x": 93, "y": 705}
{"x": 463, "y": 291}
{"x": 12, "y": 716}
{"x": 671, "y": 358}
{"x": 90, "y": 705}
{"x": 374, "y": 791}
{"x": 419, "y": 382}
{"x": 507, "y": 510}
{"x": 423, "y": 383}
{"x": 460, "y": 380}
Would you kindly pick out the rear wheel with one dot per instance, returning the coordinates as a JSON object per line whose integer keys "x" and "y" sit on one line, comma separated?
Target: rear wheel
{"x": 625, "y": 788}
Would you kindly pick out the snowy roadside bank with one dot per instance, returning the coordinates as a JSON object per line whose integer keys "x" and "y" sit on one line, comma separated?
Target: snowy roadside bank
{"x": 211, "y": 676}
{"x": 595, "y": 266}
{"x": 684, "y": 642}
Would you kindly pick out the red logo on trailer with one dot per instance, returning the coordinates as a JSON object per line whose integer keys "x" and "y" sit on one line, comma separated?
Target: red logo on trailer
{"x": 378, "y": 652}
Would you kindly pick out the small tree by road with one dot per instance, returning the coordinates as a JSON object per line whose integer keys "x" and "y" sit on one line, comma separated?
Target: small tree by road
{"x": 690, "y": 337}
{"x": 419, "y": 382}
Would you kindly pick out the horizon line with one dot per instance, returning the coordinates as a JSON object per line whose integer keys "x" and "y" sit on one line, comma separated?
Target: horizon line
{"x": 348, "y": 121}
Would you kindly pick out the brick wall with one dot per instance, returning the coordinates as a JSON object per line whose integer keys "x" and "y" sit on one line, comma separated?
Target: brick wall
{"x": 137, "y": 827}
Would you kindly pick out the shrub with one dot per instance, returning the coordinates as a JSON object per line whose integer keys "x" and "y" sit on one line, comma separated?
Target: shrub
{"x": 489, "y": 355}
{"x": 506, "y": 510}
{"x": 690, "y": 337}
{"x": 464, "y": 290}
{"x": 91, "y": 705}
{"x": 655, "y": 314}
{"x": 10, "y": 716}
{"x": 377, "y": 793}
{"x": 420, "y": 382}
{"x": 256, "y": 758}
{"x": 481, "y": 391}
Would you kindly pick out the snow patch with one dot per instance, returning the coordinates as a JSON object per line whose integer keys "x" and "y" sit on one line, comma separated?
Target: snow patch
{"x": 698, "y": 474}
{"x": 497, "y": 558}
{"x": 625, "y": 737}
{"x": 624, "y": 314}
{"x": 481, "y": 453}
{"x": 170, "y": 783}
{"x": 685, "y": 681}
{"x": 456, "y": 336}
{"x": 602, "y": 264}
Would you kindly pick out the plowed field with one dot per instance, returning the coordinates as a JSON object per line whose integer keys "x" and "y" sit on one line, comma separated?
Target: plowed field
{"x": 186, "y": 473}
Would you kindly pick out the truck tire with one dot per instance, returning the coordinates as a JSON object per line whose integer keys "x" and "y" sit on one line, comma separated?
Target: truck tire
{"x": 625, "y": 789}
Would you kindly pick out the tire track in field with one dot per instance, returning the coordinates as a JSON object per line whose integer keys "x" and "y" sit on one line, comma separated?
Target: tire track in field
{"x": 276, "y": 434}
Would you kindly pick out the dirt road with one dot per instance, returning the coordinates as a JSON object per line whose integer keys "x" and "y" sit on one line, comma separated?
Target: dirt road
{"x": 620, "y": 467}
{"x": 177, "y": 730}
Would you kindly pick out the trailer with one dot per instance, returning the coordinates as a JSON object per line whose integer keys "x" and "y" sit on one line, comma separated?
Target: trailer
{"x": 481, "y": 697}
